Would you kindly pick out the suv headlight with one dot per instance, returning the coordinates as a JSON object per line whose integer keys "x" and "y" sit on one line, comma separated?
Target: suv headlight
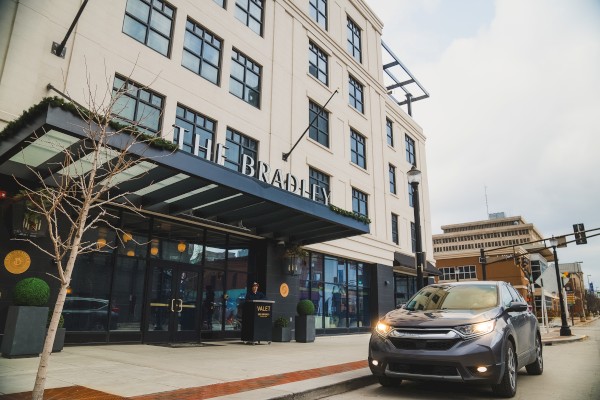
{"x": 482, "y": 328}
{"x": 383, "y": 329}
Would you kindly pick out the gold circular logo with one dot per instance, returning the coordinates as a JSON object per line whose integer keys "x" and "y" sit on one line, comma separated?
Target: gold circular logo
{"x": 284, "y": 290}
{"x": 17, "y": 261}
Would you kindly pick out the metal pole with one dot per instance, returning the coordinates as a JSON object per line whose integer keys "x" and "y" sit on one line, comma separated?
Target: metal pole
{"x": 483, "y": 262}
{"x": 419, "y": 244}
{"x": 564, "y": 329}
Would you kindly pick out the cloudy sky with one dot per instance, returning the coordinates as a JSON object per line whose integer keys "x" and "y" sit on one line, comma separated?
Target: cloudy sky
{"x": 514, "y": 110}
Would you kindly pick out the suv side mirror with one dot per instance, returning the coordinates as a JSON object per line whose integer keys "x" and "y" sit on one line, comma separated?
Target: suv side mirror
{"x": 517, "y": 306}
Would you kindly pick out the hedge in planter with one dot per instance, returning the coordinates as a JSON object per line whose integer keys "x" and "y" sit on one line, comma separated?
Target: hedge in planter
{"x": 25, "y": 328}
{"x": 59, "y": 338}
{"x": 305, "y": 321}
{"x": 281, "y": 331}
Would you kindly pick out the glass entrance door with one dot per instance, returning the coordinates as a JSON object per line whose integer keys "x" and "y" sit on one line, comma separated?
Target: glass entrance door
{"x": 173, "y": 313}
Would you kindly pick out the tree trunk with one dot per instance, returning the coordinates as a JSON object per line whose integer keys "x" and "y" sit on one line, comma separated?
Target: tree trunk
{"x": 40, "y": 378}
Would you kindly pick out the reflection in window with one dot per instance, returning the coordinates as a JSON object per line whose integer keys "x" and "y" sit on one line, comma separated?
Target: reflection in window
{"x": 250, "y": 12}
{"x": 319, "y": 129}
{"x": 354, "y": 40}
{"x": 318, "y": 12}
{"x": 150, "y": 22}
{"x": 138, "y": 106}
{"x": 356, "y": 91}
{"x": 198, "y": 130}
{"x": 245, "y": 79}
{"x": 88, "y": 307}
{"x": 202, "y": 52}
{"x": 239, "y": 144}
{"x": 128, "y": 294}
{"x": 317, "y": 63}
{"x": 358, "y": 151}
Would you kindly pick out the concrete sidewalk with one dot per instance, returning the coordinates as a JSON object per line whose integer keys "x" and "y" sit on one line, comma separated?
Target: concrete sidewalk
{"x": 219, "y": 370}
{"x": 230, "y": 370}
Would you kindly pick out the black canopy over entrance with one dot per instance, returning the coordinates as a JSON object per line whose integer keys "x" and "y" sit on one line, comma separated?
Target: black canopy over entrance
{"x": 178, "y": 184}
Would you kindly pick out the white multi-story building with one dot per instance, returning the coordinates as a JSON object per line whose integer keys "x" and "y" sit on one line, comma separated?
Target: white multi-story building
{"x": 287, "y": 136}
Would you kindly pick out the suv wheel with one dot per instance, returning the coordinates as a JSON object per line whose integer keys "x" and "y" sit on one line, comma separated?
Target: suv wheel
{"x": 537, "y": 366}
{"x": 387, "y": 381}
{"x": 508, "y": 385}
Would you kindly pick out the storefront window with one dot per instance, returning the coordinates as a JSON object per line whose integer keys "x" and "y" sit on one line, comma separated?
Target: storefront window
{"x": 87, "y": 306}
{"x": 405, "y": 287}
{"x": 237, "y": 277}
{"x": 127, "y": 294}
{"x": 212, "y": 300}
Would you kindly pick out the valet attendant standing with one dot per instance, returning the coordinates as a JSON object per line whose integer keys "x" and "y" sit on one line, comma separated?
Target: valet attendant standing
{"x": 254, "y": 293}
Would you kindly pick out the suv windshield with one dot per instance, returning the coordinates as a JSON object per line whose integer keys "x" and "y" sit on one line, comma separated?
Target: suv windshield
{"x": 446, "y": 297}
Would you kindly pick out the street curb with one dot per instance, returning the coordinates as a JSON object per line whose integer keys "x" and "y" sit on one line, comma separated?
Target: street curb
{"x": 331, "y": 390}
{"x": 551, "y": 342}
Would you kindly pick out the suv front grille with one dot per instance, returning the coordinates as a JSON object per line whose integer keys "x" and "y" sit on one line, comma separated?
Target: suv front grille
{"x": 423, "y": 344}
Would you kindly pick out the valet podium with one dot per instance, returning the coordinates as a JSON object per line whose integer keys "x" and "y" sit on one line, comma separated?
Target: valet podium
{"x": 257, "y": 321}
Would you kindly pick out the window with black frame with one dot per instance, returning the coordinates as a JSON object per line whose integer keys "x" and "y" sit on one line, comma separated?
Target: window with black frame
{"x": 360, "y": 203}
{"x": 150, "y": 22}
{"x": 250, "y": 12}
{"x": 410, "y": 150}
{"x": 358, "y": 151}
{"x": 245, "y": 78}
{"x": 389, "y": 131}
{"x": 88, "y": 305}
{"x": 318, "y": 12}
{"x": 355, "y": 90}
{"x": 320, "y": 179}
{"x": 237, "y": 145}
{"x": 202, "y": 52}
{"x": 354, "y": 40}
{"x": 392, "y": 177}
{"x": 198, "y": 129}
{"x": 137, "y": 105}
{"x": 395, "y": 237}
{"x": 318, "y": 63}
{"x": 319, "y": 129}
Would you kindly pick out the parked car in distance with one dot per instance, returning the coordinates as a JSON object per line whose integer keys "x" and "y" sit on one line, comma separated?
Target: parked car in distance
{"x": 473, "y": 332}
{"x": 89, "y": 314}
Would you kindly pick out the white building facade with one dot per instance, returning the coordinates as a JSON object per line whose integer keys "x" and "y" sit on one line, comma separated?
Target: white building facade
{"x": 260, "y": 89}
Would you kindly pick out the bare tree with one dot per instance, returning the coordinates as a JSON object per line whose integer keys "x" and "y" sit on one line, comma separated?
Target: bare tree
{"x": 77, "y": 199}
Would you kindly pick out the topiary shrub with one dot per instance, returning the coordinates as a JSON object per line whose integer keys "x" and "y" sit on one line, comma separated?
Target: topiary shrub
{"x": 31, "y": 292}
{"x": 305, "y": 307}
{"x": 281, "y": 322}
{"x": 61, "y": 321}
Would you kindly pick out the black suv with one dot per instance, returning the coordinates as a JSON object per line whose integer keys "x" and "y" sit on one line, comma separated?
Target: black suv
{"x": 478, "y": 332}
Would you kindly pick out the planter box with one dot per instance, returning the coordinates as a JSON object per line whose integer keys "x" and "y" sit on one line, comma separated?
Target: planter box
{"x": 24, "y": 332}
{"x": 305, "y": 328}
{"x": 282, "y": 334}
{"x": 59, "y": 340}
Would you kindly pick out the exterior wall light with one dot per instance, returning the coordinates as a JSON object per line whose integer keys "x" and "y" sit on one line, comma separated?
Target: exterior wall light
{"x": 181, "y": 247}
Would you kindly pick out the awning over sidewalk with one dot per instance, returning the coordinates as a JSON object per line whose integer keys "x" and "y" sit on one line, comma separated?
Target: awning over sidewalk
{"x": 407, "y": 264}
{"x": 176, "y": 183}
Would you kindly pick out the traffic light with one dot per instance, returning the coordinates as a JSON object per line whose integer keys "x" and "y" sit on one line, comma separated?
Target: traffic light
{"x": 579, "y": 231}
{"x": 565, "y": 274}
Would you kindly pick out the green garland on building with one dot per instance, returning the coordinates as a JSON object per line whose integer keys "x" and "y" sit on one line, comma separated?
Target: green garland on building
{"x": 13, "y": 127}
{"x": 351, "y": 214}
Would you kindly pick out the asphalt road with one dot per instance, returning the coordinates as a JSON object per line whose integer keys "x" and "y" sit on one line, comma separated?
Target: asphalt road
{"x": 571, "y": 371}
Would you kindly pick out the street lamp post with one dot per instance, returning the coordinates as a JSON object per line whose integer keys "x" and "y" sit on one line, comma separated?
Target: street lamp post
{"x": 414, "y": 178}
{"x": 564, "y": 329}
